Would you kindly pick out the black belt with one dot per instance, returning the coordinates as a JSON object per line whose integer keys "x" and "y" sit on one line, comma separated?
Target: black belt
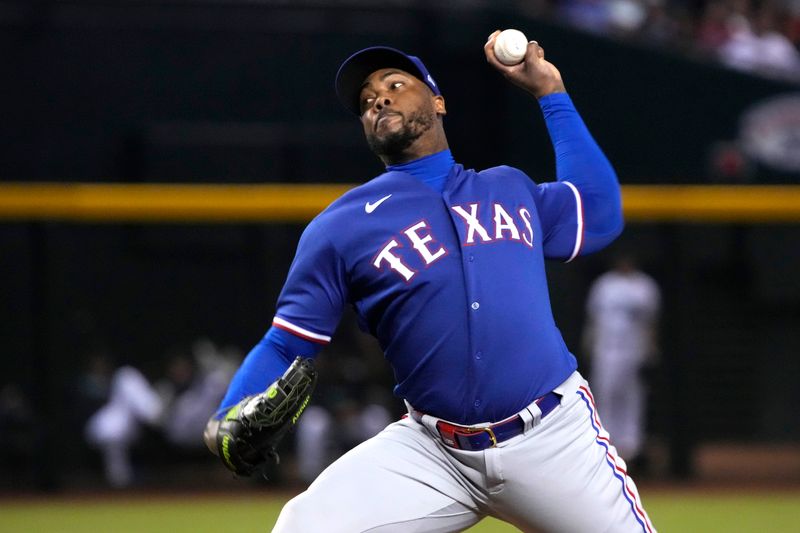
{"x": 475, "y": 439}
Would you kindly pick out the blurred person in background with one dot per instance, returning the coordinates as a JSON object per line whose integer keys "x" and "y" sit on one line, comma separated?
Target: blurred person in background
{"x": 627, "y": 17}
{"x": 760, "y": 38}
{"x": 620, "y": 335}
{"x": 116, "y": 426}
{"x": 191, "y": 390}
{"x": 589, "y": 15}
{"x": 758, "y": 44}
{"x": 665, "y": 24}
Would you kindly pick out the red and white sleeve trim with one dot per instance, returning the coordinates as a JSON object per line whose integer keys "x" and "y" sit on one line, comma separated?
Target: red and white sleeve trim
{"x": 579, "y": 215}
{"x": 303, "y": 333}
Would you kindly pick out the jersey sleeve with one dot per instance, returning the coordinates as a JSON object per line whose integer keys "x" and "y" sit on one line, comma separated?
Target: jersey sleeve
{"x": 561, "y": 213}
{"x": 268, "y": 360}
{"x": 315, "y": 293}
{"x": 582, "y": 211}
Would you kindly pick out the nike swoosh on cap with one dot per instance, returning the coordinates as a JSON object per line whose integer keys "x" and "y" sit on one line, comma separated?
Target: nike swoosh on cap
{"x": 370, "y": 207}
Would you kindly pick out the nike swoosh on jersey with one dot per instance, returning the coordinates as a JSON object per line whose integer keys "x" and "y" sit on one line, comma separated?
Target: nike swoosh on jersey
{"x": 370, "y": 207}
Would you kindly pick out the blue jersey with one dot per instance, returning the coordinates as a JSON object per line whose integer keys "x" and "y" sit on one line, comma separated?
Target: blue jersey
{"x": 453, "y": 284}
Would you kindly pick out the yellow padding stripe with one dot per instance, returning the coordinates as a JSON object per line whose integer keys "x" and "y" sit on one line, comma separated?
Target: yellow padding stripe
{"x": 712, "y": 203}
{"x": 166, "y": 202}
{"x": 218, "y": 203}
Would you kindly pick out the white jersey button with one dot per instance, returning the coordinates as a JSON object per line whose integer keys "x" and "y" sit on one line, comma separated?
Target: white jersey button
{"x": 475, "y": 305}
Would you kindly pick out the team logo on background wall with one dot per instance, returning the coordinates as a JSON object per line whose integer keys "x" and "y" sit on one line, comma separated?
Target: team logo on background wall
{"x": 770, "y": 132}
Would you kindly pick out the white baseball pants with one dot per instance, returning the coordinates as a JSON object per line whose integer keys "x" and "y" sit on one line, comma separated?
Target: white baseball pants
{"x": 561, "y": 475}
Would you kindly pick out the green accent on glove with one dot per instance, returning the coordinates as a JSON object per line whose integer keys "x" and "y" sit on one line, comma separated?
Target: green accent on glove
{"x": 233, "y": 412}
{"x": 226, "y": 452}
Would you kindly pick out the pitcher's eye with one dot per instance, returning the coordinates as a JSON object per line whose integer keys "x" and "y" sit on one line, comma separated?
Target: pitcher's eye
{"x": 396, "y": 84}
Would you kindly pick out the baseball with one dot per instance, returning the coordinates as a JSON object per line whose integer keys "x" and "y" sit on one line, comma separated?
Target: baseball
{"x": 510, "y": 47}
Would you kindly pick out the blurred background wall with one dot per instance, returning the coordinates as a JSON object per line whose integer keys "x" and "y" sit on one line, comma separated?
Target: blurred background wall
{"x": 242, "y": 92}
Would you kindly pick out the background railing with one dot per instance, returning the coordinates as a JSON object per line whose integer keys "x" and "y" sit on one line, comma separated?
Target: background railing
{"x": 87, "y": 202}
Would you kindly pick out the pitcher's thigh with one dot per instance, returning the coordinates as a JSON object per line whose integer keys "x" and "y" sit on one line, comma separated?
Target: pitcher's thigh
{"x": 396, "y": 481}
{"x": 567, "y": 478}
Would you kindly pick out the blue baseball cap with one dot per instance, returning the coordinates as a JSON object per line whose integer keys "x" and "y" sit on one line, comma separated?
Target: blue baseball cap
{"x": 358, "y": 66}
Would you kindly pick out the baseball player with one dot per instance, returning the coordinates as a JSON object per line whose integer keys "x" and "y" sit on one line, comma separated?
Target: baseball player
{"x": 445, "y": 266}
{"x": 622, "y": 312}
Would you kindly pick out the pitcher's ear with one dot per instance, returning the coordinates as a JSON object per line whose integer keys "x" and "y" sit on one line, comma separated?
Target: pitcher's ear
{"x": 438, "y": 105}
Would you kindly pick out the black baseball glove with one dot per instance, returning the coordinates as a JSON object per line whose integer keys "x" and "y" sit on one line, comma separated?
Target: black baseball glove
{"x": 249, "y": 433}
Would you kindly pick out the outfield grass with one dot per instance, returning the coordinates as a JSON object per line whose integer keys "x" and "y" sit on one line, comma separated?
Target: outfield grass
{"x": 684, "y": 512}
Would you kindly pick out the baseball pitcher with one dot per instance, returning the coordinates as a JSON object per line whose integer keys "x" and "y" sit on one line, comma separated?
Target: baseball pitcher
{"x": 445, "y": 266}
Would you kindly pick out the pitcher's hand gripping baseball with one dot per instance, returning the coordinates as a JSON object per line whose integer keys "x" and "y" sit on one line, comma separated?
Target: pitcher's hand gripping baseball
{"x": 534, "y": 74}
{"x": 249, "y": 433}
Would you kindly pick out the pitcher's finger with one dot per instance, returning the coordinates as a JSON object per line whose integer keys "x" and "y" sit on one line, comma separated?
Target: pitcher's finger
{"x": 488, "y": 48}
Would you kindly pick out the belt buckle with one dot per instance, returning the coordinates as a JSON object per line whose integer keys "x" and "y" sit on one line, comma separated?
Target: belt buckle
{"x": 450, "y": 434}
{"x": 487, "y": 429}
{"x": 492, "y": 436}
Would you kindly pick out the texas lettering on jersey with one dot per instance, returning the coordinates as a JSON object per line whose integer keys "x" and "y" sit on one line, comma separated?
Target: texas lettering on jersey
{"x": 421, "y": 236}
